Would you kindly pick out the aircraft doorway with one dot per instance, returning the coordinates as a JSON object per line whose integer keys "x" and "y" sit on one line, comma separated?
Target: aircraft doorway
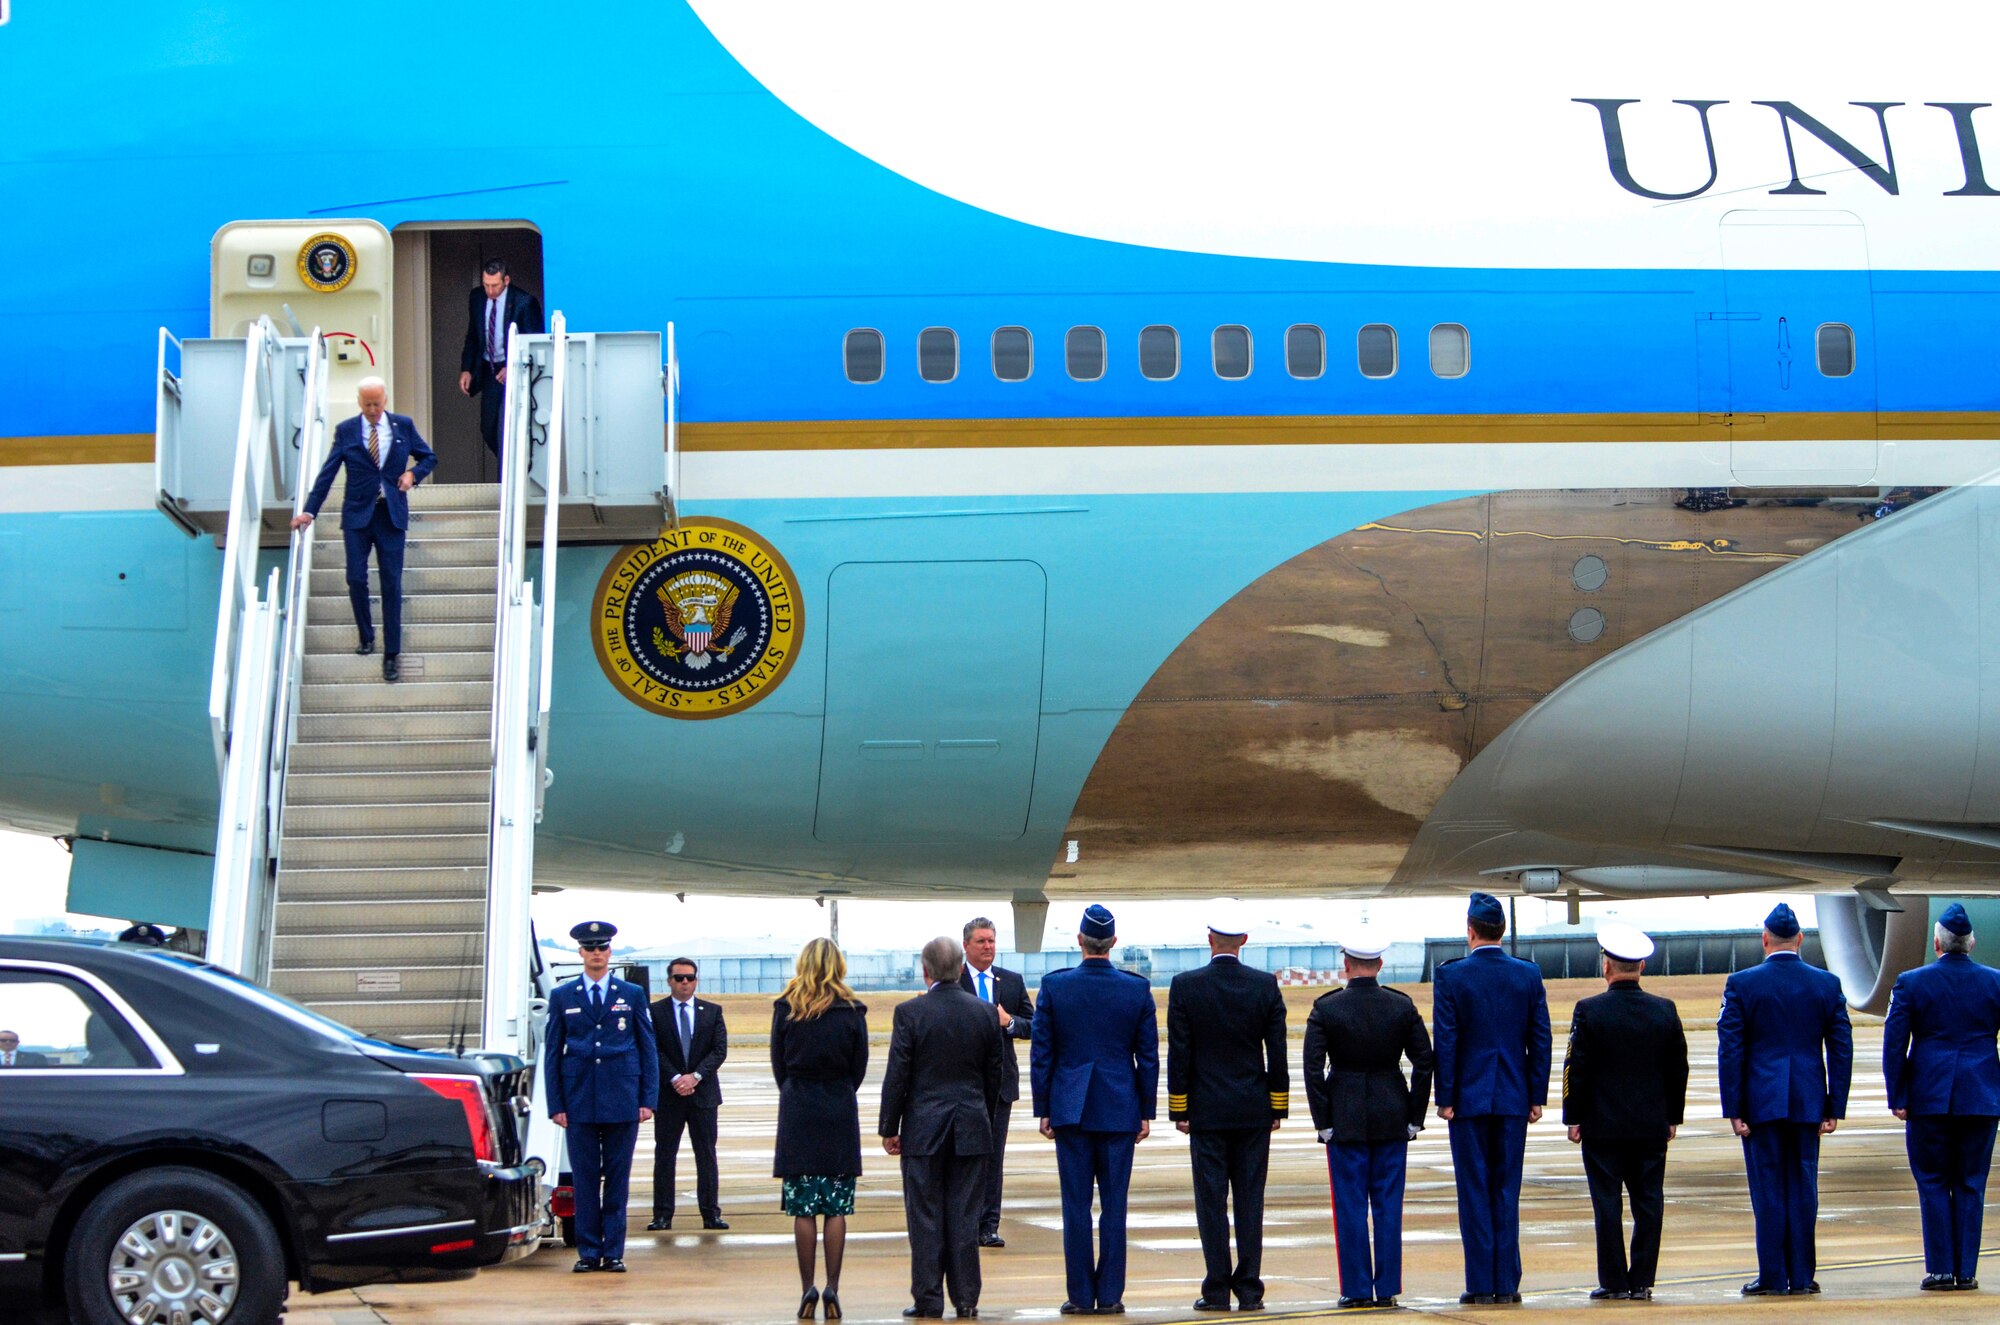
{"x": 438, "y": 264}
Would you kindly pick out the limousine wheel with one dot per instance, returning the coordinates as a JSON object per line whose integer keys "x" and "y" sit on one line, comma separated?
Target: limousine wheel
{"x": 174, "y": 1244}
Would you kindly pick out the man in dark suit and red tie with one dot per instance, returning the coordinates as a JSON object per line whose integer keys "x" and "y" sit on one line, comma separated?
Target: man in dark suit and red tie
{"x": 493, "y": 306}
{"x": 1008, "y": 993}
{"x": 693, "y": 1042}
{"x": 384, "y": 456}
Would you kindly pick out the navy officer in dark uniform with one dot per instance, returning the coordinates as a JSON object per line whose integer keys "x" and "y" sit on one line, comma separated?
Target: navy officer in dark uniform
{"x": 1784, "y": 1056}
{"x": 602, "y": 1071}
{"x": 1490, "y": 1017}
{"x": 1095, "y": 1076}
{"x": 1366, "y": 1114}
{"x": 1944, "y": 1081}
{"x": 1228, "y": 1088}
{"x": 1624, "y": 1089}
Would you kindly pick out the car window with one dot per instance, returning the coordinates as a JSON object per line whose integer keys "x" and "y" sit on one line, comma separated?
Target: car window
{"x": 53, "y": 1021}
{"x": 300, "y": 1016}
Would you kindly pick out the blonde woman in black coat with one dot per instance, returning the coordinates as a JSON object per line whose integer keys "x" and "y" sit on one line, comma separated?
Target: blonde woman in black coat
{"x": 819, "y": 1055}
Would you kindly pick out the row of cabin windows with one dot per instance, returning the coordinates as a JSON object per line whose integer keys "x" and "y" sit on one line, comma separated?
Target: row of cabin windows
{"x": 1229, "y": 351}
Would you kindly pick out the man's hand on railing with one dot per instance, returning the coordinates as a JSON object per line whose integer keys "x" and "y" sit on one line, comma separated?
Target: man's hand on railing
{"x": 301, "y": 521}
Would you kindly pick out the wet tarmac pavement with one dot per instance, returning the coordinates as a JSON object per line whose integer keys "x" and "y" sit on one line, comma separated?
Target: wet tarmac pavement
{"x": 1869, "y": 1247}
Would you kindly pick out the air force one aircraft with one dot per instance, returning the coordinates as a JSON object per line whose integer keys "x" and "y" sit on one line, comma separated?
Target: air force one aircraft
{"x": 1289, "y": 449}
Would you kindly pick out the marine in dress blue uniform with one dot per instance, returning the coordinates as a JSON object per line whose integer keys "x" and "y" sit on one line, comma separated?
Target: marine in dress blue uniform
{"x": 1095, "y": 1078}
{"x": 602, "y": 1072}
{"x": 1784, "y": 1056}
{"x": 1944, "y": 1081}
{"x": 1490, "y": 1030}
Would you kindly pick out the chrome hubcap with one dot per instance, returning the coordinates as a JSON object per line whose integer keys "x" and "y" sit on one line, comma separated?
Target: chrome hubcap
{"x": 173, "y": 1268}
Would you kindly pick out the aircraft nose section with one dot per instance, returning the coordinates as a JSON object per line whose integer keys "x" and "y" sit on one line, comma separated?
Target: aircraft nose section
{"x": 1856, "y": 684}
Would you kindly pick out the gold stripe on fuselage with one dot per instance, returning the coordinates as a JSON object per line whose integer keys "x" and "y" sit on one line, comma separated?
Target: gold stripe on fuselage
{"x": 117, "y": 448}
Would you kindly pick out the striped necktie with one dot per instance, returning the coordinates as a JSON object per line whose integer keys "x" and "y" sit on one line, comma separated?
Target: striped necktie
{"x": 493, "y": 331}
{"x": 374, "y": 446}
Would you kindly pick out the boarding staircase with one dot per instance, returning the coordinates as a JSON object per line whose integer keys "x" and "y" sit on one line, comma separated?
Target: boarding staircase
{"x": 375, "y": 841}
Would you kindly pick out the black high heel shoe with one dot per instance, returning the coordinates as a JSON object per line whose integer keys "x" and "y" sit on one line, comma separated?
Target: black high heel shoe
{"x": 809, "y": 1305}
{"x": 831, "y": 1301}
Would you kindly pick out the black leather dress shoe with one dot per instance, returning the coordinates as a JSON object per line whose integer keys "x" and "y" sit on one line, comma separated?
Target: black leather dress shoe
{"x": 390, "y": 672}
{"x": 1251, "y": 1304}
{"x": 968, "y": 1313}
{"x": 1115, "y": 1309}
{"x": 1605, "y": 1295}
{"x": 1072, "y": 1309}
{"x": 585, "y": 1264}
{"x": 1939, "y": 1283}
{"x": 1355, "y": 1303}
{"x": 1211, "y": 1304}
{"x": 1640, "y": 1295}
{"x": 992, "y": 1240}
{"x": 1507, "y": 1299}
{"x": 1385, "y": 1304}
{"x": 365, "y": 647}
{"x": 714, "y": 1223}
{"x": 611, "y": 1265}
{"x": 1807, "y": 1291}
{"x": 1476, "y": 1299}
{"x": 659, "y": 1225}
{"x": 1967, "y": 1284}
{"x": 1755, "y": 1288}
{"x": 918, "y": 1313}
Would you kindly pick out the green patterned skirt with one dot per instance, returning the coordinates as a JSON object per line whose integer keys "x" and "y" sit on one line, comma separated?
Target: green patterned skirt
{"x": 806, "y": 1197}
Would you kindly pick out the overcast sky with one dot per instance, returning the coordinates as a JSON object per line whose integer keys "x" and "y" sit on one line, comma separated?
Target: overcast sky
{"x": 36, "y": 871}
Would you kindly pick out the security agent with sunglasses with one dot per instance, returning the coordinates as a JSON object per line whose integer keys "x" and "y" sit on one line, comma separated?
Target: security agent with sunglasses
{"x": 602, "y": 1073}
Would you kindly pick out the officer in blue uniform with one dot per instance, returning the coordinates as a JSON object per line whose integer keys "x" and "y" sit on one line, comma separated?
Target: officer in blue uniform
{"x": 1784, "y": 1057}
{"x": 1944, "y": 1081}
{"x": 601, "y": 1070}
{"x": 1094, "y": 1067}
{"x": 1490, "y": 1026}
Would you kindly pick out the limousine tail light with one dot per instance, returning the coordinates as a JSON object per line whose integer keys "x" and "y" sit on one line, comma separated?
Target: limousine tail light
{"x": 470, "y": 1092}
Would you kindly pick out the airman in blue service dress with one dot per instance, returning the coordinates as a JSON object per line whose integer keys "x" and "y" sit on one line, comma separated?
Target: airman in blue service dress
{"x": 1944, "y": 1080}
{"x": 1784, "y": 1057}
{"x": 1367, "y": 1113}
{"x": 1095, "y": 1078}
{"x": 602, "y": 1073}
{"x": 1490, "y": 1027}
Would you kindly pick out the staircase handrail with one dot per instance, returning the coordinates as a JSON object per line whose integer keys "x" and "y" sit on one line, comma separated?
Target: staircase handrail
{"x": 673, "y": 389}
{"x": 554, "y": 472}
{"x": 255, "y": 422}
{"x": 313, "y": 435}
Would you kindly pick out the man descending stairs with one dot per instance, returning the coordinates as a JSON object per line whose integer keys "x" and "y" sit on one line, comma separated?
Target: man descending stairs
{"x": 382, "y": 880}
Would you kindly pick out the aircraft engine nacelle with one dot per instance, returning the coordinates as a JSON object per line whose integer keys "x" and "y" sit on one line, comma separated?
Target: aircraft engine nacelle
{"x": 1868, "y": 948}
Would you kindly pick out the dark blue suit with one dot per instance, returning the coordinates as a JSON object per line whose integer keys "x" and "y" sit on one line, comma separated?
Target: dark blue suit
{"x": 1784, "y": 1057}
{"x": 374, "y": 513}
{"x": 1938, "y": 1056}
{"x": 1094, "y": 1070}
{"x": 1490, "y": 1028}
{"x": 600, "y": 1067}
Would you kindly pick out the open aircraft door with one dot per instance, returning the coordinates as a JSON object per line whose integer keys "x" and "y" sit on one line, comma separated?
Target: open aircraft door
{"x": 1801, "y": 388}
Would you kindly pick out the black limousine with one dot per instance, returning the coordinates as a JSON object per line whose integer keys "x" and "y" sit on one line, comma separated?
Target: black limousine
{"x": 177, "y": 1143}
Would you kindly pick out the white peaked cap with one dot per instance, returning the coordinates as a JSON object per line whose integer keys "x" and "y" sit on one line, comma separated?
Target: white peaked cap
{"x": 1228, "y": 919}
{"x": 1628, "y": 943}
{"x": 1363, "y": 943}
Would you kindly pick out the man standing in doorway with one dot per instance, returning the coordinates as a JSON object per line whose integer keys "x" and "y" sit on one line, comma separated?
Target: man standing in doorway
{"x": 377, "y": 449}
{"x": 1491, "y": 1023}
{"x": 494, "y": 306}
{"x": 1008, "y": 993}
{"x": 1785, "y": 1056}
{"x": 692, "y": 1041}
{"x": 1228, "y": 1089}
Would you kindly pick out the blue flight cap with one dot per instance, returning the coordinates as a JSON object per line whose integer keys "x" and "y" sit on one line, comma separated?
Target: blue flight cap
{"x": 594, "y": 931}
{"x": 152, "y": 936}
{"x": 1484, "y": 908}
{"x": 1097, "y": 923}
{"x": 1955, "y": 921}
{"x": 1781, "y": 922}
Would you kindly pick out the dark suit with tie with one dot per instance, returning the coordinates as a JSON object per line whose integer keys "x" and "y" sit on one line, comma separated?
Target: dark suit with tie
{"x": 600, "y": 1067}
{"x": 27, "y": 1058}
{"x": 486, "y": 342}
{"x": 1228, "y": 1079}
{"x": 1490, "y": 1023}
{"x": 1356, "y": 1041}
{"x": 938, "y": 1093}
{"x": 1624, "y": 1085}
{"x": 1939, "y": 1060}
{"x": 1004, "y": 989}
{"x": 374, "y": 511}
{"x": 1784, "y": 1056}
{"x": 692, "y": 1041}
{"x": 1094, "y": 1070}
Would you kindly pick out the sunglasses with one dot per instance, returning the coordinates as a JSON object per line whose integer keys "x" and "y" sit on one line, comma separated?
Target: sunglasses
{"x": 682, "y": 979}
{"x": 594, "y": 947}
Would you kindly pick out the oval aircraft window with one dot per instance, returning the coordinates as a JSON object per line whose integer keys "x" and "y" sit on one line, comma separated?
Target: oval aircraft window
{"x": 1836, "y": 349}
{"x": 1305, "y": 350}
{"x": 1231, "y": 348}
{"x": 1375, "y": 350}
{"x": 1013, "y": 354}
{"x": 1159, "y": 352}
{"x": 1451, "y": 351}
{"x": 1083, "y": 348}
{"x": 864, "y": 356}
{"x": 937, "y": 354}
